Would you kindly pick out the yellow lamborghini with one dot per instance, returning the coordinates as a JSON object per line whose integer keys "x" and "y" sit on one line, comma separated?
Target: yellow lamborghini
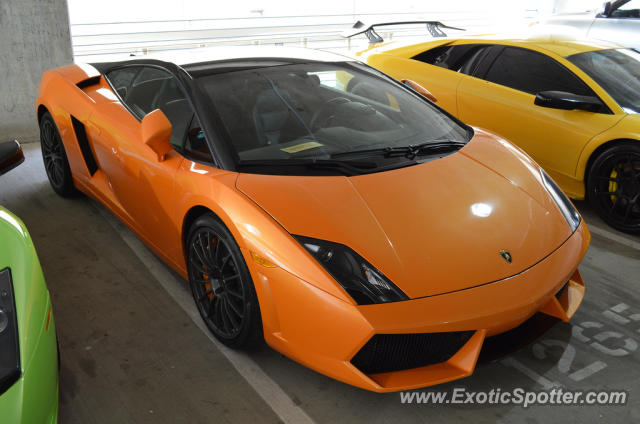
{"x": 572, "y": 105}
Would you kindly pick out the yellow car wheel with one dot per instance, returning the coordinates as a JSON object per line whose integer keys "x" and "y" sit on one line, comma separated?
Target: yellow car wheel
{"x": 613, "y": 186}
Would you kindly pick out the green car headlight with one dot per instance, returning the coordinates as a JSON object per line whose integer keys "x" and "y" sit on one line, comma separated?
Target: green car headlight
{"x": 9, "y": 349}
{"x": 364, "y": 283}
{"x": 569, "y": 211}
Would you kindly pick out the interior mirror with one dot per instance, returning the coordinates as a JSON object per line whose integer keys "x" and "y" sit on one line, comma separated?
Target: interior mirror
{"x": 567, "y": 101}
{"x": 420, "y": 89}
{"x": 156, "y": 133}
{"x": 10, "y": 156}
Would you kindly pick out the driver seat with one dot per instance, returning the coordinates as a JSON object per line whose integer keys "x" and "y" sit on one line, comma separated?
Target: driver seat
{"x": 270, "y": 115}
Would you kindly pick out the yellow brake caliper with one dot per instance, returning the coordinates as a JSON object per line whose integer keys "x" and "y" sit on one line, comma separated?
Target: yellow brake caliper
{"x": 613, "y": 185}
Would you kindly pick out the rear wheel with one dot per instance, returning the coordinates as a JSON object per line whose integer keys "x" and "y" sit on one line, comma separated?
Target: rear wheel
{"x": 613, "y": 187}
{"x": 221, "y": 284}
{"x": 55, "y": 159}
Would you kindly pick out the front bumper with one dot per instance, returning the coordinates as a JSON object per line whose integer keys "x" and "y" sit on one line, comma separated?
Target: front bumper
{"x": 325, "y": 333}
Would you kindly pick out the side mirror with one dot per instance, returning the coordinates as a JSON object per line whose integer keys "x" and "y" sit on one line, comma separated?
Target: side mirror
{"x": 10, "y": 156}
{"x": 420, "y": 89}
{"x": 607, "y": 9}
{"x": 567, "y": 101}
{"x": 156, "y": 133}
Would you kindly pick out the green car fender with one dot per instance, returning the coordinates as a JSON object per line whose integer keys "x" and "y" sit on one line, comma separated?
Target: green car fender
{"x": 32, "y": 395}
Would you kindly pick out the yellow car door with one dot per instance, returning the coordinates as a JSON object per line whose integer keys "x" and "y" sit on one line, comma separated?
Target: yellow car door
{"x": 501, "y": 99}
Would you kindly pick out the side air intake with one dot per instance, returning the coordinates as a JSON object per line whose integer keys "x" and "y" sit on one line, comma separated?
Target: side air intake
{"x": 88, "y": 82}
{"x": 85, "y": 148}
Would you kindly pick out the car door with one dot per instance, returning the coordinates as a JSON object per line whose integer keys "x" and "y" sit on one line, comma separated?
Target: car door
{"x": 500, "y": 97}
{"x": 621, "y": 25}
{"x": 143, "y": 186}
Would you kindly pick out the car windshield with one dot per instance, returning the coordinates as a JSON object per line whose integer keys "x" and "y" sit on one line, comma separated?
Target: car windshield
{"x": 320, "y": 111}
{"x": 617, "y": 72}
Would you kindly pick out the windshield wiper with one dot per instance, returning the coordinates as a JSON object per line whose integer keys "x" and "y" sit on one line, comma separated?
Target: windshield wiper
{"x": 345, "y": 167}
{"x": 410, "y": 152}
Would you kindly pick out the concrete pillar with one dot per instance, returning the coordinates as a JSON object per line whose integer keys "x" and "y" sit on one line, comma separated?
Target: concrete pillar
{"x": 34, "y": 36}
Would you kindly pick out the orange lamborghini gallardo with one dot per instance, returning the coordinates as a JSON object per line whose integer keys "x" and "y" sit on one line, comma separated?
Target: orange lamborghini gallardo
{"x": 314, "y": 202}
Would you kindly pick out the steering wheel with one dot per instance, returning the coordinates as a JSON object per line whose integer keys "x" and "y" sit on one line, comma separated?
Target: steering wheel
{"x": 322, "y": 115}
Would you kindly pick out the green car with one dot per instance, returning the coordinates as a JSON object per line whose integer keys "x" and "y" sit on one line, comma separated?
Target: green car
{"x": 28, "y": 347}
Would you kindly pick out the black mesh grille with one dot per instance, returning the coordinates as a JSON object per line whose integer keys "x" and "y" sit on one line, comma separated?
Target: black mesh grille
{"x": 395, "y": 352}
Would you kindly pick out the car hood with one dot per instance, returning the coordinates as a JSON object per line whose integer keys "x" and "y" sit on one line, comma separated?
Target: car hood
{"x": 432, "y": 228}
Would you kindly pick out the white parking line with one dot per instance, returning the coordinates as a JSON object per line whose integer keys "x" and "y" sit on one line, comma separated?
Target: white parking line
{"x": 269, "y": 390}
{"x": 546, "y": 384}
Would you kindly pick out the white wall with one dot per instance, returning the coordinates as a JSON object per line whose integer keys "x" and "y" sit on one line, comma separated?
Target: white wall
{"x": 143, "y": 26}
{"x": 83, "y": 11}
{"x": 35, "y": 35}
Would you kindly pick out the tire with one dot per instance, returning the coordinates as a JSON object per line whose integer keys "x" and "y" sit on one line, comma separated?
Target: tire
{"x": 221, "y": 284}
{"x": 55, "y": 159}
{"x": 613, "y": 186}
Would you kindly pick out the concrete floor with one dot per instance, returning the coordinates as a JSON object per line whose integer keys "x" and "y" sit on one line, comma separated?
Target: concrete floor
{"x": 133, "y": 348}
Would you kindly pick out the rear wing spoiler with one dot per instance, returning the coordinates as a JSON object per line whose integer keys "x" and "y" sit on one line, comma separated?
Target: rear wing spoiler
{"x": 434, "y": 27}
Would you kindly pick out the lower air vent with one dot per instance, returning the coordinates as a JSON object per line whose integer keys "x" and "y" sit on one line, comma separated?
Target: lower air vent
{"x": 561, "y": 291}
{"x": 396, "y": 352}
{"x": 85, "y": 148}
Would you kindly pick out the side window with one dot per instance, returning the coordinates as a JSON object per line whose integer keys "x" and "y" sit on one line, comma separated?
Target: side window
{"x": 533, "y": 72}
{"x": 171, "y": 100}
{"x": 629, "y": 10}
{"x": 456, "y": 58}
{"x": 121, "y": 79}
{"x": 144, "y": 90}
{"x": 434, "y": 56}
{"x": 196, "y": 144}
{"x": 473, "y": 64}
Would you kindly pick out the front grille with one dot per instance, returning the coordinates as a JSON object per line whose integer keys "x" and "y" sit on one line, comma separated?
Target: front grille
{"x": 396, "y": 352}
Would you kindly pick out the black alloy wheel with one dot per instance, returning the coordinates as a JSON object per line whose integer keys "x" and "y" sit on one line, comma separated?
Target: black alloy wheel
{"x": 613, "y": 187}
{"x": 221, "y": 284}
{"x": 55, "y": 158}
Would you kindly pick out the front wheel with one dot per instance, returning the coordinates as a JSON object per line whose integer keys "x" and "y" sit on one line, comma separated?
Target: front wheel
{"x": 221, "y": 284}
{"x": 613, "y": 187}
{"x": 55, "y": 159}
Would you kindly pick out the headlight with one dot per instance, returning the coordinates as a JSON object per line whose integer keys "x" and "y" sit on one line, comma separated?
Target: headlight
{"x": 364, "y": 283}
{"x": 9, "y": 350}
{"x": 564, "y": 204}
